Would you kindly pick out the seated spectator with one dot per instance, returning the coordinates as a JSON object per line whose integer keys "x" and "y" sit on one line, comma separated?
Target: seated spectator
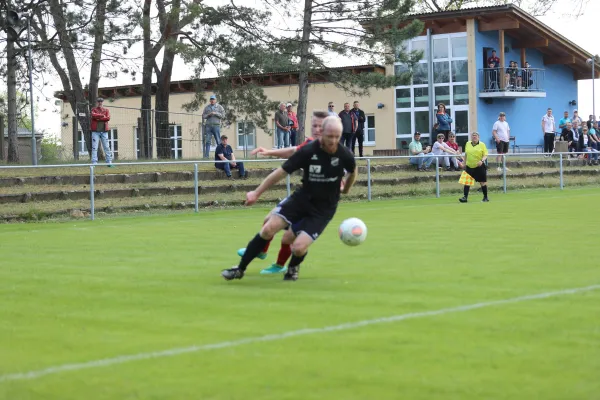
{"x": 527, "y": 76}
{"x": 419, "y": 157}
{"x": 457, "y": 162}
{"x": 589, "y": 145}
{"x": 491, "y": 77}
{"x": 439, "y": 148}
{"x": 513, "y": 80}
{"x": 224, "y": 152}
{"x": 570, "y": 136}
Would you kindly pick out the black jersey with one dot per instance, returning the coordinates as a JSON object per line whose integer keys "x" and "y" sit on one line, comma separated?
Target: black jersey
{"x": 322, "y": 171}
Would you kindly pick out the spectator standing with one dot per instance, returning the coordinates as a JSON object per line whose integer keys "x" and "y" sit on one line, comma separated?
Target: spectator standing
{"x": 576, "y": 118}
{"x": 443, "y": 121}
{"x": 419, "y": 157}
{"x": 548, "y": 129}
{"x": 224, "y": 152}
{"x": 99, "y": 127}
{"x": 359, "y": 135}
{"x": 282, "y": 127}
{"x": 491, "y": 77}
{"x": 494, "y": 59}
{"x": 331, "y": 109}
{"x": 212, "y": 116}
{"x": 562, "y": 124}
{"x": 293, "y": 123}
{"x": 501, "y": 133}
{"x": 475, "y": 156}
{"x": 349, "y": 125}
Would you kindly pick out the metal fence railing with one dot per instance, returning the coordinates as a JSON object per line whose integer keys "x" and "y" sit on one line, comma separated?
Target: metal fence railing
{"x": 391, "y": 163}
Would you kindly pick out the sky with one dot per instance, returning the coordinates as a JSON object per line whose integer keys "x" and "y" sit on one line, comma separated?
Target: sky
{"x": 577, "y": 29}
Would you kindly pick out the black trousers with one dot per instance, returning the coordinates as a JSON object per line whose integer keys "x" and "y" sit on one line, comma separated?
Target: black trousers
{"x": 347, "y": 139}
{"x": 360, "y": 137}
{"x": 548, "y": 142}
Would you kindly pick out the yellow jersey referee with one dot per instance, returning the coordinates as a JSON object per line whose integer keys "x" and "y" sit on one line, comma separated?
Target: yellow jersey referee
{"x": 475, "y": 156}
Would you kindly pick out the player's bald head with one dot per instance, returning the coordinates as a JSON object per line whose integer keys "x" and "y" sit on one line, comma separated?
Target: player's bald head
{"x": 332, "y": 123}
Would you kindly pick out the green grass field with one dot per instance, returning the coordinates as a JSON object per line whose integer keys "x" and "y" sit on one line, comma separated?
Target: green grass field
{"x": 74, "y": 293}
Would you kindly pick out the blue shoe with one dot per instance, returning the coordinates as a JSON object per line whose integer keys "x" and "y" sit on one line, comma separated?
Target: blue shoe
{"x": 273, "y": 269}
{"x": 241, "y": 252}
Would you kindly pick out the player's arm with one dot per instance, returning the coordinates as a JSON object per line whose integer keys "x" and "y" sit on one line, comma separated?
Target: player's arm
{"x": 278, "y": 153}
{"x": 273, "y": 178}
{"x": 349, "y": 181}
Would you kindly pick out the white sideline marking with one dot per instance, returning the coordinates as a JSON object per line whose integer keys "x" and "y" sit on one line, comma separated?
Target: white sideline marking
{"x": 280, "y": 336}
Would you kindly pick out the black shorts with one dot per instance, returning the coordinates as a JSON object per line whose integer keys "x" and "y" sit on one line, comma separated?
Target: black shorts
{"x": 502, "y": 147}
{"x": 478, "y": 173}
{"x": 304, "y": 215}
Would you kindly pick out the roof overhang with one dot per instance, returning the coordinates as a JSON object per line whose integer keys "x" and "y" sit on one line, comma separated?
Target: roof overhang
{"x": 528, "y": 31}
{"x": 207, "y": 84}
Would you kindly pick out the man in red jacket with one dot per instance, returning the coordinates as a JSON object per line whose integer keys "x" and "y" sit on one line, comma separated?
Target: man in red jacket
{"x": 99, "y": 127}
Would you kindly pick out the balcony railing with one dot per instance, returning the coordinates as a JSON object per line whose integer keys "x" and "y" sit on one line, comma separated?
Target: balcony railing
{"x": 508, "y": 82}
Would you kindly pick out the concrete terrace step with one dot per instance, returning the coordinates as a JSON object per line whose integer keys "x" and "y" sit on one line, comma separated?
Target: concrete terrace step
{"x": 182, "y": 176}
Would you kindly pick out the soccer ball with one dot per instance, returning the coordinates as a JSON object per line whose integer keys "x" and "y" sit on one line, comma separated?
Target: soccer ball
{"x": 353, "y": 231}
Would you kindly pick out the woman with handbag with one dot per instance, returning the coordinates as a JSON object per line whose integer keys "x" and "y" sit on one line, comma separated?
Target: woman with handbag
{"x": 443, "y": 121}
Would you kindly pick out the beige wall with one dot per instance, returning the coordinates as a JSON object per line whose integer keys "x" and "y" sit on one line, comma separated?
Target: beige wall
{"x": 318, "y": 96}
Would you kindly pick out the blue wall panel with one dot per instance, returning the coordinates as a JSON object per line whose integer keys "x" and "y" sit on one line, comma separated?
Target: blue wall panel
{"x": 525, "y": 114}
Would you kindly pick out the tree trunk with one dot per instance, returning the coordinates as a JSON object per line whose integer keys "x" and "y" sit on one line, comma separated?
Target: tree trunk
{"x": 11, "y": 86}
{"x": 80, "y": 106}
{"x": 303, "y": 76}
{"x": 163, "y": 92}
{"x": 97, "y": 51}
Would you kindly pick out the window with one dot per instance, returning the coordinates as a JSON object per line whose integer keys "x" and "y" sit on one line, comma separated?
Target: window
{"x": 460, "y": 71}
{"x": 176, "y": 141}
{"x": 440, "y": 48}
{"x": 402, "y": 98}
{"x": 369, "y": 130}
{"x": 459, "y": 46}
{"x": 420, "y": 74}
{"x": 246, "y": 135}
{"x": 442, "y": 95}
{"x": 422, "y": 123}
{"x": 450, "y": 79}
{"x": 113, "y": 142}
{"x": 421, "y": 98}
{"x": 461, "y": 94}
{"x": 403, "y": 125}
{"x": 441, "y": 72}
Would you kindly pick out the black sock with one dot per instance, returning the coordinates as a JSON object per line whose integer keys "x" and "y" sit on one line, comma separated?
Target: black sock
{"x": 295, "y": 260}
{"x": 466, "y": 190}
{"x": 253, "y": 249}
{"x": 484, "y": 189}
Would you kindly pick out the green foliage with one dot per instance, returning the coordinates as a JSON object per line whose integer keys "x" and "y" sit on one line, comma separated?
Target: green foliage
{"x": 51, "y": 150}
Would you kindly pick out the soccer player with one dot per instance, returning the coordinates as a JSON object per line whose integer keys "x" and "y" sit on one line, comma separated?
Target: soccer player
{"x": 285, "y": 251}
{"x": 310, "y": 208}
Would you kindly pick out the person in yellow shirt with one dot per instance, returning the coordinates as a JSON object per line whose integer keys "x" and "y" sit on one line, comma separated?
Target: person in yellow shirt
{"x": 475, "y": 156}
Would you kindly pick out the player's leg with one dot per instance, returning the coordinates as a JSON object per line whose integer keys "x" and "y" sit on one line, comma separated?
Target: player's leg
{"x": 263, "y": 254}
{"x": 274, "y": 224}
{"x": 285, "y": 251}
{"x": 306, "y": 231}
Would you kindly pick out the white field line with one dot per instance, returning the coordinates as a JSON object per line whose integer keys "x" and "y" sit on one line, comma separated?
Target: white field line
{"x": 280, "y": 336}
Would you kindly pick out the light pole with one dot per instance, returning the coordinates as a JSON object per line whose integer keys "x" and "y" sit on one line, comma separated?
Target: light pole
{"x": 14, "y": 19}
{"x": 592, "y": 62}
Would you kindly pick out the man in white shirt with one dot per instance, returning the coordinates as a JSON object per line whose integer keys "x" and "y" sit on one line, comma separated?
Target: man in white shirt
{"x": 548, "y": 129}
{"x": 501, "y": 133}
